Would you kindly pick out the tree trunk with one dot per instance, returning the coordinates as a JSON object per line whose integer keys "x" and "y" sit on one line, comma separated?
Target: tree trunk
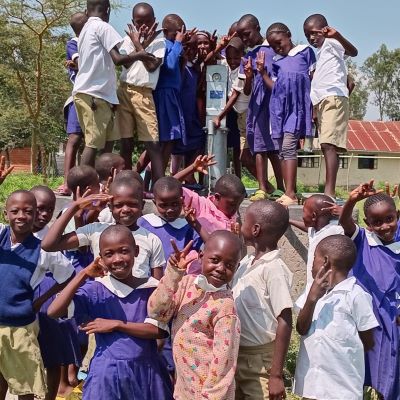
{"x": 34, "y": 151}
{"x": 43, "y": 157}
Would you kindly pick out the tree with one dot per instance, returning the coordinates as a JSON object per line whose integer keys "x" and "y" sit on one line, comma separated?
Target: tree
{"x": 382, "y": 71}
{"x": 359, "y": 96}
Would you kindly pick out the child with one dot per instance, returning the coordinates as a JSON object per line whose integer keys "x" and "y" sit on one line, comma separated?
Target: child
{"x": 377, "y": 269}
{"x": 126, "y": 204}
{"x": 258, "y": 125}
{"x": 329, "y": 92}
{"x": 114, "y": 307}
{"x": 23, "y": 266}
{"x": 56, "y": 347}
{"x": 107, "y": 166}
{"x": 261, "y": 289}
{"x": 220, "y": 210}
{"x": 205, "y": 327}
{"x": 336, "y": 325}
{"x": 167, "y": 97}
{"x": 319, "y": 223}
{"x": 74, "y": 131}
{"x": 290, "y": 104}
{"x": 95, "y": 84}
{"x": 136, "y": 112}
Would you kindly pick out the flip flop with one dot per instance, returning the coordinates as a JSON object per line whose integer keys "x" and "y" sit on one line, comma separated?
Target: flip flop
{"x": 63, "y": 191}
{"x": 287, "y": 201}
{"x": 275, "y": 195}
{"x": 259, "y": 195}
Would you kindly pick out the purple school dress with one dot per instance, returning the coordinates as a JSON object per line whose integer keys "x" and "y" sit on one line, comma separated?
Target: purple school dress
{"x": 123, "y": 366}
{"x": 258, "y": 124}
{"x": 167, "y": 96}
{"x": 290, "y": 105}
{"x": 377, "y": 269}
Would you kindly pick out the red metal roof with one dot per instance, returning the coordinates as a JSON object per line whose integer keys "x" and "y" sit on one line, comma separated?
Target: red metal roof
{"x": 374, "y": 136}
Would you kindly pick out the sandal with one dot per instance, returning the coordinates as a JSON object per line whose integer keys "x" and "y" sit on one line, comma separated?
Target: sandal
{"x": 259, "y": 195}
{"x": 275, "y": 195}
{"x": 287, "y": 201}
{"x": 63, "y": 191}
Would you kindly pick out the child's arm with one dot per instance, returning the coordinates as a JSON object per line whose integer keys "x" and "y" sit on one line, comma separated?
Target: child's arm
{"x": 200, "y": 164}
{"x": 54, "y": 239}
{"x": 220, "y": 46}
{"x": 248, "y": 72}
{"x": 3, "y": 171}
{"x": 229, "y": 105}
{"x": 276, "y": 386}
{"x": 165, "y": 299}
{"x": 190, "y": 216}
{"x": 260, "y": 65}
{"x": 298, "y": 224}
{"x": 350, "y": 49}
{"x": 59, "y": 307}
{"x": 367, "y": 338}
{"x": 317, "y": 290}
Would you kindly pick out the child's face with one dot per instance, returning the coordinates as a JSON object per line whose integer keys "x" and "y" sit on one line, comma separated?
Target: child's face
{"x": 219, "y": 262}
{"x": 247, "y": 229}
{"x": 228, "y": 205}
{"x": 249, "y": 34}
{"x": 169, "y": 204}
{"x": 190, "y": 49}
{"x": 233, "y": 57}
{"x": 313, "y": 34}
{"x": 118, "y": 255}
{"x": 20, "y": 213}
{"x": 280, "y": 43}
{"x": 203, "y": 46}
{"x": 171, "y": 28}
{"x": 381, "y": 218}
{"x": 142, "y": 16}
{"x": 126, "y": 206}
{"x": 44, "y": 209}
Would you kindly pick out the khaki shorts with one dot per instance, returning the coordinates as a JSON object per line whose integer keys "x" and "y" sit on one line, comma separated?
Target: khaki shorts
{"x": 20, "y": 360}
{"x": 333, "y": 118}
{"x": 241, "y": 121}
{"x": 252, "y": 372}
{"x": 136, "y": 113}
{"x": 97, "y": 125}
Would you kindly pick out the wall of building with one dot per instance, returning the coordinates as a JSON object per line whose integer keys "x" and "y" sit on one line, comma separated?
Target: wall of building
{"x": 21, "y": 159}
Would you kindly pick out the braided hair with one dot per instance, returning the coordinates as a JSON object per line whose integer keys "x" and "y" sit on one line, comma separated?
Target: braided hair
{"x": 377, "y": 198}
{"x": 278, "y": 27}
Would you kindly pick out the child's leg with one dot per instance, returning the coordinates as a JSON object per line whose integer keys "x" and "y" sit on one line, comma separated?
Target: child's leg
{"x": 237, "y": 165}
{"x": 71, "y": 150}
{"x": 289, "y": 163}
{"x": 277, "y": 167}
{"x": 331, "y": 166}
{"x": 126, "y": 151}
{"x": 3, "y": 387}
{"x": 53, "y": 381}
{"x": 166, "y": 149}
{"x": 261, "y": 171}
{"x": 157, "y": 165}
{"x": 176, "y": 162}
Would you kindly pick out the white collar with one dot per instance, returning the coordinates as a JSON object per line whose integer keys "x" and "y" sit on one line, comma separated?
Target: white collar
{"x": 264, "y": 43}
{"x": 202, "y": 283}
{"x": 267, "y": 257}
{"x": 75, "y": 39}
{"x": 296, "y": 50}
{"x": 373, "y": 240}
{"x": 332, "y": 222}
{"x": 156, "y": 221}
{"x": 344, "y": 286}
{"x": 120, "y": 289}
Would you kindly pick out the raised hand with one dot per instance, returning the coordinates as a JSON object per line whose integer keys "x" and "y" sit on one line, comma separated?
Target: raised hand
{"x": 248, "y": 68}
{"x": 180, "y": 35}
{"x": 395, "y": 191}
{"x": 91, "y": 201}
{"x": 321, "y": 284}
{"x": 364, "y": 191}
{"x": 190, "y": 213}
{"x": 226, "y": 39}
{"x": 150, "y": 34}
{"x": 213, "y": 40}
{"x": 179, "y": 258}
{"x": 201, "y": 163}
{"x": 260, "y": 62}
{"x": 329, "y": 32}
{"x": 333, "y": 208}
{"x": 3, "y": 171}
{"x": 99, "y": 325}
{"x": 96, "y": 269}
{"x": 136, "y": 36}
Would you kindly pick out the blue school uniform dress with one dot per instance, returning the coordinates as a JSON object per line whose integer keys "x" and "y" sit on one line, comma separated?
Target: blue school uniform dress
{"x": 258, "y": 121}
{"x": 290, "y": 104}
{"x": 123, "y": 366}
{"x": 167, "y": 96}
{"x": 195, "y": 135}
{"x": 377, "y": 269}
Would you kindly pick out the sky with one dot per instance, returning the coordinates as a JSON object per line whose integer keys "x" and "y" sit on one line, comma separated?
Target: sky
{"x": 366, "y": 23}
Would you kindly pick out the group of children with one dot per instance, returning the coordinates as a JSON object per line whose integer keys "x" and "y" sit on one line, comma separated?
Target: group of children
{"x": 277, "y": 91}
{"x": 179, "y": 308}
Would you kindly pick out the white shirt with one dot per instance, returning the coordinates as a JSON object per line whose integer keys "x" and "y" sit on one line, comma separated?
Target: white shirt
{"x": 96, "y": 75}
{"x": 330, "y": 364}
{"x": 106, "y": 216}
{"x": 151, "y": 254}
{"x": 54, "y": 262}
{"x": 261, "y": 292}
{"x": 137, "y": 74}
{"x": 330, "y": 76}
{"x": 234, "y": 83}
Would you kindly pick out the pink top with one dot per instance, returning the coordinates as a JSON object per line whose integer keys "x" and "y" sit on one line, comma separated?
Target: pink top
{"x": 207, "y": 213}
{"x": 205, "y": 332}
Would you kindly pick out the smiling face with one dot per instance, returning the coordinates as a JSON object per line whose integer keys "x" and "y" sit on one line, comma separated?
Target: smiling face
{"x": 169, "y": 204}
{"x": 45, "y": 209}
{"x": 280, "y": 42}
{"x": 20, "y": 213}
{"x": 381, "y": 218}
{"x": 127, "y": 205}
{"x": 203, "y": 45}
{"x": 220, "y": 260}
{"x": 118, "y": 252}
{"x": 233, "y": 57}
{"x": 312, "y": 31}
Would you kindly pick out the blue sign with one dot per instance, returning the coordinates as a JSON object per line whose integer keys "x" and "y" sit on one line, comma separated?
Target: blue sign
{"x": 216, "y": 94}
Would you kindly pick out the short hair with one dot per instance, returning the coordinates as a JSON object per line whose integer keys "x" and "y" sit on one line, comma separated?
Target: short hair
{"x": 278, "y": 27}
{"x": 224, "y": 235}
{"x": 129, "y": 174}
{"x": 117, "y": 230}
{"x": 237, "y": 44}
{"x": 105, "y": 163}
{"x": 77, "y": 21}
{"x": 172, "y": 21}
{"x": 81, "y": 176}
{"x": 98, "y": 5}
{"x": 145, "y": 6}
{"x": 273, "y": 217}
{"x": 233, "y": 28}
{"x": 167, "y": 183}
{"x": 378, "y": 198}
{"x": 228, "y": 185}
{"x": 249, "y": 19}
{"x": 340, "y": 249}
{"x": 46, "y": 190}
{"x": 318, "y": 18}
{"x": 26, "y": 193}
{"x": 319, "y": 201}
{"x": 133, "y": 184}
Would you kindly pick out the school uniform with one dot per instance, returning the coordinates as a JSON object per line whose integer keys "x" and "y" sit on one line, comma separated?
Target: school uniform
{"x": 136, "y": 112}
{"x": 377, "y": 270}
{"x": 22, "y": 267}
{"x": 95, "y": 88}
{"x": 123, "y": 366}
{"x": 330, "y": 364}
{"x": 261, "y": 290}
{"x": 150, "y": 255}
